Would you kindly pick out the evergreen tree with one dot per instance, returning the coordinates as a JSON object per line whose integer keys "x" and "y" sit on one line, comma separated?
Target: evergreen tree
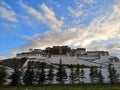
{"x": 28, "y": 77}
{"x": 100, "y": 76}
{"x": 41, "y": 74}
{"x": 50, "y": 74}
{"x": 15, "y": 76}
{"x": 72, "y": 74}
{"x": 113, "y": 75}
{"x": 93, "y": 74}
{"x": 82, "y": 73}
{"x": 77, "y": 74}
{"x": 61, "y": 74}
{"x": 3, "y": 75}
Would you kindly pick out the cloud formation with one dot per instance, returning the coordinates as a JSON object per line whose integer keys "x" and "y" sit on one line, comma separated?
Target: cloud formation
{"x": 89, "y": 1}
{"x": 113, "y": 48}
{"x": 7, "y": 13}
{"x": 47, "y": 16}
{"x": 2, "y": 57}
{"x": 101, "y": 28}
{"x": 76, "y": 12}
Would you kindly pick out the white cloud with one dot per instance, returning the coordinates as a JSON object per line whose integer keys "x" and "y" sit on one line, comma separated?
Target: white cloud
{"x": 2, "y": 57}
{"x": 102, "y": 28}
{"x": 89, "y": 1}
{"x": 81, "y": 12}
{"x": 114, "y": 48}
{"x": 55, "y": 2}
{"x": 6, "y": 5}
{"x": 105, "y": 47}
{"x": 77, "y": 12}
{"x": 47, "y": 17}
{"x": 27, "y": 20}
{"x": 7, "y": 13}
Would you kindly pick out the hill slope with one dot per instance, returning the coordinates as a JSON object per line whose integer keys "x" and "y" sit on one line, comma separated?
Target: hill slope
{"x": 12, "y": 62}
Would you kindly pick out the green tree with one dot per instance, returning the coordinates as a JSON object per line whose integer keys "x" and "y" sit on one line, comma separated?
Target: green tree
{"x": 100, "y": 76}
{"x": 28, "y": 77}
{"x": 3, "y": 75}
{"x": 50, "y": 74}
{"x": 61, "y": 74}
{"x": 77, "y": 74}
{"x": 93, "y": 74}
{"x": 16, "y": 74}
{"x": 41, "y": 76}
{"x": 15, "y": 78}
{"x": 72, "y": 74}
{"x": 82, "y": 75}
{"x": 113, "y": 75}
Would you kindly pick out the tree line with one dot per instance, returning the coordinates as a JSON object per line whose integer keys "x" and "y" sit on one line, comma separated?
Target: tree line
{"x": 37, "y": 74}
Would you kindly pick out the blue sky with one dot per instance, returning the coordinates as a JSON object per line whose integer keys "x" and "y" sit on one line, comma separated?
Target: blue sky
{"x": 92, "y": 24}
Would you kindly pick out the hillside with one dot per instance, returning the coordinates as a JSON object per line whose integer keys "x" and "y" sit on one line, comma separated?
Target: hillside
{"x": 12, "y": 62}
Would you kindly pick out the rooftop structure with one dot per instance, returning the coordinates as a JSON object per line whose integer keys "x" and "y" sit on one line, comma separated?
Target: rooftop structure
{"x": 57, "y": 50}
{"x": 68, "y": 56}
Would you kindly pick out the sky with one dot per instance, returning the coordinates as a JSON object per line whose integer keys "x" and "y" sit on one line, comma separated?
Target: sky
{"x": 90, "y": 24}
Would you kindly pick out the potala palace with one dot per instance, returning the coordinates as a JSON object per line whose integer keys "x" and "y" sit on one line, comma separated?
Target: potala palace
{"x": 69, "y": 56}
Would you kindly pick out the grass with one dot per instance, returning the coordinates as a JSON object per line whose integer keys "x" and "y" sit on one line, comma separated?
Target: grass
{"x": 64, "y": 87}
